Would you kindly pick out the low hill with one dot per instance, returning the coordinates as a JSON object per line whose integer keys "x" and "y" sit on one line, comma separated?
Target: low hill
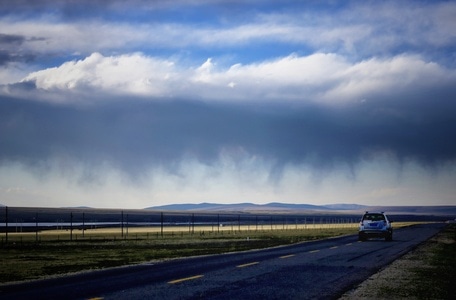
{"x": 276, "y": 207}
{"x": 255, "y": 208}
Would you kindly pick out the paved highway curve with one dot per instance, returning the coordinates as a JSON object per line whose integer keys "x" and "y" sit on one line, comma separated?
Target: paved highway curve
{"x": 312, "y": 270}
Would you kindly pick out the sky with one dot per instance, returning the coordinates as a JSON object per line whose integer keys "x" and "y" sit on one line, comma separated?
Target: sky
{"x": 133, "y": 104}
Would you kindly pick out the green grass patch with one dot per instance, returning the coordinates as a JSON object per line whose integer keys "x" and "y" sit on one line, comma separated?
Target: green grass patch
{"x": 437, "y": 278}
{"x": 432, "y": 274}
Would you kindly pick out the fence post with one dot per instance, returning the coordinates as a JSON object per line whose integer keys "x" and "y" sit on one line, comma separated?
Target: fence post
{"x": 161, "y": 223}
{"x": 126, "y": 229}
{"x": 6, "y": 225}
{"x": 121, "y": 223}
{"x": 71, "y": 226}
{"x": 36, "y": 227}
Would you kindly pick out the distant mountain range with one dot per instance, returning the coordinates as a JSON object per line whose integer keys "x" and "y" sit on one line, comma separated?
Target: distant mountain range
{"x": 244, "y": 207}
{"x": 276, "y": 207}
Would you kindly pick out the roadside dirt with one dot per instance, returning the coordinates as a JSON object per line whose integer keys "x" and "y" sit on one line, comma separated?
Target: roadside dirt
{"x": 402, "y": 279}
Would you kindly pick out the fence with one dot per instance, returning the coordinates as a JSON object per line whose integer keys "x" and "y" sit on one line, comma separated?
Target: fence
{"x": 82, "y": 223}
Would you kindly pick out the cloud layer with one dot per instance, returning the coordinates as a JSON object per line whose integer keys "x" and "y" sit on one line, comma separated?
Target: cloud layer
{"x": 358, "y": 30}
{"x": 216, "y": 94}
{"x": 132, "y": 132}
{"x": 327, "y": 78}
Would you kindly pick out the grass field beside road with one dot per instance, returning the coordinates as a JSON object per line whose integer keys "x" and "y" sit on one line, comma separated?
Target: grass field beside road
{"x": 428, "y": 272}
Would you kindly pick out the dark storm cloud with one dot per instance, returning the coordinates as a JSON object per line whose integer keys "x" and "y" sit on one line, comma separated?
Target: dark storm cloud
{"x": 33, "y": 6}
{"x": 10, "y": 49}
{"x": 135, "y": 136}
{"x": 8, "y": 39}
{"x": 82, "y": 8}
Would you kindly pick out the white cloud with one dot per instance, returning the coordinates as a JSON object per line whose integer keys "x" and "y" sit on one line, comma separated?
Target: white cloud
{"x": 403, "y": 74}
{"x": 359, "y": 29}
{"x": 318, "y": 77}
{"x": 125, "y": 74}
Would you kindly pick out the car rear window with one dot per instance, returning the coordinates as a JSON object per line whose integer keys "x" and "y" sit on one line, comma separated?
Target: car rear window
{"x": 374, "y": 217}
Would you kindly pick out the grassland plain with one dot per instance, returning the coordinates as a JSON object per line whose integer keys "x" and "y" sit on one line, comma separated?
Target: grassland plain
{"x": 58, "y": 252}
{"x": 54, "y": 254}
{"x": 428, "y": 272}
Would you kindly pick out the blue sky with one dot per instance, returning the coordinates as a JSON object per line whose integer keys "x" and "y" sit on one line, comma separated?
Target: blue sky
{"x": 142, "y": 103}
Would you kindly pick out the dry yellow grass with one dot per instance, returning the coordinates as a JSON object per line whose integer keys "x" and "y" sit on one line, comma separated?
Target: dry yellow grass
{"x": 150, "y": 231}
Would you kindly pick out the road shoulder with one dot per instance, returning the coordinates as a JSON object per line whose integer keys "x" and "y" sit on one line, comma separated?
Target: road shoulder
{"x": 416, "y": 275}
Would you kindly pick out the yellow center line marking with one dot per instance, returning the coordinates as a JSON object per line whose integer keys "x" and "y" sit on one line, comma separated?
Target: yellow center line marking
{"x": 313, "y": 251}
{"x": 287, "y": 256}
{"x": 334, "y": 247}
{"x": 185, "y": 279}
{"x": 247, "y": 265}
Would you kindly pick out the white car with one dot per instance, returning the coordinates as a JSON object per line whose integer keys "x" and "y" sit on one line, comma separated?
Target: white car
{"x": 375, "y": 225}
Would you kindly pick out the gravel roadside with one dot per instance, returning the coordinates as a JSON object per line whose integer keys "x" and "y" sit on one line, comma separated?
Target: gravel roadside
{"x": 416, "y": 275}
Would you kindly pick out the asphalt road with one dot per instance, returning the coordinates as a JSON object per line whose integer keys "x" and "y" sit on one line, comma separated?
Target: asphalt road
{"x": 312, "y": 270}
